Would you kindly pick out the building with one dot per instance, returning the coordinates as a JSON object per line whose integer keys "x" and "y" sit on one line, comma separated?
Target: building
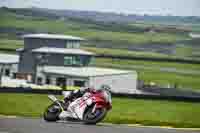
{"x": 29, "y": 61}
{"x": 9, "y": 65}
{"x": 58, "y": 60}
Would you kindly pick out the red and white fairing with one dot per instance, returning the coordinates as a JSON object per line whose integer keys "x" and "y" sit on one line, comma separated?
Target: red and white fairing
{"x": 100, "y": 99}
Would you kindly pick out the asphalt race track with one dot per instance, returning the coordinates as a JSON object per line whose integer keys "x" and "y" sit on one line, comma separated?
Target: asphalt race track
{"x": 26, "y": 125}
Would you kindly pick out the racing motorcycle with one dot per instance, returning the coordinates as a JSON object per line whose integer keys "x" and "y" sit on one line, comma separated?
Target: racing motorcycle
{"x": 91, "y": 108}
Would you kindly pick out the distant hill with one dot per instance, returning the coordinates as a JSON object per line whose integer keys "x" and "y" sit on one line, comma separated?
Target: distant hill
{"x": 106, "y": 16}
{"x": 121, "y": 18}
{"x": 90, "y": 20}
{"x": 101, "y": 30}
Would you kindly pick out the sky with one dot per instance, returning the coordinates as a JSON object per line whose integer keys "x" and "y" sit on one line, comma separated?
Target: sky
{"x": 152, "y": 7}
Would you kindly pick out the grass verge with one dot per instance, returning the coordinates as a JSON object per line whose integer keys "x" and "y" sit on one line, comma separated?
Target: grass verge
{"x": 161, "y": 78}
{"x": 125, "y": 111}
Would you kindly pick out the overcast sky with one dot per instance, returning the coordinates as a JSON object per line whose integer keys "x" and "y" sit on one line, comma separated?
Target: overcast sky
{"x": 161, "y": 7}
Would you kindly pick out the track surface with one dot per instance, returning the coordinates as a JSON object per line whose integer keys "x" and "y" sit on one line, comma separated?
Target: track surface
{"x": 25, "y": 125}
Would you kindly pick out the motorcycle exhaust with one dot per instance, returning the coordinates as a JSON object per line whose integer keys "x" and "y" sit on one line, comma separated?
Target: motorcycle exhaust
{"x": 53, "y": 98}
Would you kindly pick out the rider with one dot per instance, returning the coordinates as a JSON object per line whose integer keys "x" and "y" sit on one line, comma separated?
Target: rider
{"x": 79, "y": 93}
{"x": 76, "y": 94}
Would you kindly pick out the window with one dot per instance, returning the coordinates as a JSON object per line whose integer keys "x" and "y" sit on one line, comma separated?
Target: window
{"x": 76, "y": 60}
{"x": 72, "y": 44}
{"x": 7, "y": 72}
{"x": 14, "y": 76}
{"x": 79, "y": 83}
{"x": 68, "y": 60}
{"x": 39, "y": 80}
{"x": 60, "y": 81}
{"x": 48, "y": 80}
{"x": 76, "y": 45}
{"x": 69, "y": 44}
{"x": 72, "y": 60}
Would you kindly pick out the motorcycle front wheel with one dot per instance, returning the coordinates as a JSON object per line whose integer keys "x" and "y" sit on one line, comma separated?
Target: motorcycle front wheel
{"x": 93, "y": 118}
{"x": 52, "y": 113}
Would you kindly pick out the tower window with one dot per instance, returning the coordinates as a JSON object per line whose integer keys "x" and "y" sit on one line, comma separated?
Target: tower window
{"x": 7, "y": 72}
{"x": 79, "y": 83}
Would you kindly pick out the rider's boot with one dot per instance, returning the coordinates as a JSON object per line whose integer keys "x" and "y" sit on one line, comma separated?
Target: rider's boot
{"x": 64, "y": 115}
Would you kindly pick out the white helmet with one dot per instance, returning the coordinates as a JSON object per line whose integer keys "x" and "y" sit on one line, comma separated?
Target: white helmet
{"x": 105, "y": 87}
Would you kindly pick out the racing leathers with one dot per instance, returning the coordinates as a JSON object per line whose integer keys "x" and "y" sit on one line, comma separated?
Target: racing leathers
{"x": 78, "y": 93}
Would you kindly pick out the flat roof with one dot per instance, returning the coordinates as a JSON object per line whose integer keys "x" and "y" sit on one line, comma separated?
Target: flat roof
{"x": 9, "y": 59}
{"x": 83, "y": 71}
{"x": 53, "y": 36}
{"x": 62, "y": 51}
{"x": 20, "y": 49}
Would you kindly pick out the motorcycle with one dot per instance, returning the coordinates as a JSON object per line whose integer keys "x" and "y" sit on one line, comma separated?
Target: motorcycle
{"x": 91, "y": 108}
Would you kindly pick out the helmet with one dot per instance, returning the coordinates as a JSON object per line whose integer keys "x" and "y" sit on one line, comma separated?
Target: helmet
{"x": 105, "y": 87}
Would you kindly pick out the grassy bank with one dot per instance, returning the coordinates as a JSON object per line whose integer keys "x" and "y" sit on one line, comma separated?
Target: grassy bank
{"x": 122, "y": 52}
{"x": 11, "y": 44}
{"x": 147, "y": 112}
{"x": 181, "y": 53}
{"x": 154, "y": 74}
{"x": 152, "y": 64}
{"x": 91, "y": 31}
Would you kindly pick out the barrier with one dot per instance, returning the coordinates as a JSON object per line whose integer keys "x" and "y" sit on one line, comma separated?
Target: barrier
{"x": 134, "y": 96}
{"x": 158, "y": 97}
{"x": 29, "y": 90}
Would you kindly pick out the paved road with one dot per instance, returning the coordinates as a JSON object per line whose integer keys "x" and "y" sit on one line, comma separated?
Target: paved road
{"x": 25, "y": 125}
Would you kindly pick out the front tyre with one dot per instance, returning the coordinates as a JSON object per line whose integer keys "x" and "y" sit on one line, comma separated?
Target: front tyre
{"x": 93, "y": 118}
{"x": 52, "y": 113}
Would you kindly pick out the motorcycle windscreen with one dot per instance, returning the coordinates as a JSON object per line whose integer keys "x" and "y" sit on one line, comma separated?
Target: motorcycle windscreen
{"x": 107, "y": 96}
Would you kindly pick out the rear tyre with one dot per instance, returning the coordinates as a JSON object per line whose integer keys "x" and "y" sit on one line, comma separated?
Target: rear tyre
{"x": 93, "y": 118}
{"x": 52, "y": 113}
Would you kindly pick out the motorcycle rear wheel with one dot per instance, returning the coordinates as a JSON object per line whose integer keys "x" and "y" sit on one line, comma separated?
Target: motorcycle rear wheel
{"x": 93, "y": 118}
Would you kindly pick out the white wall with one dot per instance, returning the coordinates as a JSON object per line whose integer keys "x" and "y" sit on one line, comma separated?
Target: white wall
{"x": 123, "y": 83}
{"x": 69, "y": 80}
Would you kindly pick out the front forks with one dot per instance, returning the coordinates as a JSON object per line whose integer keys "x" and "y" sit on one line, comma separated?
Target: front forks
{"x": 94, "y": 108}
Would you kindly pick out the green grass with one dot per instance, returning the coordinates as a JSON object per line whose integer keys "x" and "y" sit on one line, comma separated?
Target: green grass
{"x": 181, "y": 52}
{"x": 14, "y": 44}
{"x": 153, "y": 64}
{"x": 194, "y": 27}
{"x": 23, "y": 105}
{"x": 122, "y": 52}
{"x": 184, "y": 52}
{"x": 184, "y": 81}
{"x": 154, "y": 75}
{"x": 147, "y": 112}
{"x": 187, "y": 82}
{"x": 88, "y": 31}
{"x": 11, "y": 44}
